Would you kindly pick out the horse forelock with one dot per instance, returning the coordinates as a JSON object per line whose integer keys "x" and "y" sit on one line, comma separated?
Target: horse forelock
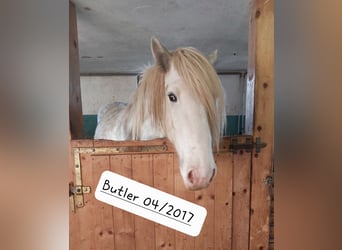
{"x": 148, "y": 101}
{"x": 200, "y": 76}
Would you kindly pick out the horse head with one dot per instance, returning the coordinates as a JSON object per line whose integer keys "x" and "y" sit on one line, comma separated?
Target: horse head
{"x": 194, "y": 110}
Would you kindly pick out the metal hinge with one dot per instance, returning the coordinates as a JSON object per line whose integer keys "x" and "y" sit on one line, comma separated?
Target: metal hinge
{"x": 248, "y": 145}
{"x": 77, "y": 190}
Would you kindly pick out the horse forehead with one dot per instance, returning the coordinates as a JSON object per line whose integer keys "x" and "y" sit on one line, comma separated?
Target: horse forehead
{"x": 172, "y": 76}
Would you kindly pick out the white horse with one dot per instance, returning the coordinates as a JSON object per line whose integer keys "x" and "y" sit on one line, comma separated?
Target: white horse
{"x": 181, "y": 98}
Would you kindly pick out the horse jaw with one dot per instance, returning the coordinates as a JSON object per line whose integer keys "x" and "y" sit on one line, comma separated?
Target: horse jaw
{"x": 193, "y": 140}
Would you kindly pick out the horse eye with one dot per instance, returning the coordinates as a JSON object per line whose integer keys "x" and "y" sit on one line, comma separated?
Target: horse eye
{"x": 172, "y": 97}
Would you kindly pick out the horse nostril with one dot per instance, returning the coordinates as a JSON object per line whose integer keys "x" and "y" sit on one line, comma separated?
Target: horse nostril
{"x": 212, "y": 177}
{"x": 191, "y": 177}
{"x": 196, "y": 180}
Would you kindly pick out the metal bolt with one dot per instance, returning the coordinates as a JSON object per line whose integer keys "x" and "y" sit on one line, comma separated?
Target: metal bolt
{"x": 257, "y": 13}
{"x": 269, "y": 180}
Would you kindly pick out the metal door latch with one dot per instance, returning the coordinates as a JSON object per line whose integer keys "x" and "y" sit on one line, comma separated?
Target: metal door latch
{"x": 248, "y": 145}
{"x": 77, "y": 191}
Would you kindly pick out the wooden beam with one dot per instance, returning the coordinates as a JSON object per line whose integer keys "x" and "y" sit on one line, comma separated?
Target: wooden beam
{"x": 261, "y": 68}
{"x": 75, "y": 101}
{"x": 250, "y": 79}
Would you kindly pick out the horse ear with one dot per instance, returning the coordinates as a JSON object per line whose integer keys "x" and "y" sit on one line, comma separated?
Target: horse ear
{"x": 212, "y": 58}
{"x": 161, "y": 54}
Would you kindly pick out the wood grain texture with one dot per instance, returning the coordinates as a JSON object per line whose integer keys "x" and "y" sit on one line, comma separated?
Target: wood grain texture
{"x": 123, "y": 221}
{"x": 86, "y": 226}
{"x": 74, "y": 219}
{"x": 101, "y": 212}
{"x": 223, "y": 201}
{"x": 82, "y": 143}
{"x": 142, "y": 167}
{"x": 241, "y": 199}
{"x": 110, "y": 143}
{"x": 100, "y": 226}
{"x": 206, "y": 198}
{"x": 163, "y": 180}
{"x": 262, "y": 20}
{"x": 75, "y": 101}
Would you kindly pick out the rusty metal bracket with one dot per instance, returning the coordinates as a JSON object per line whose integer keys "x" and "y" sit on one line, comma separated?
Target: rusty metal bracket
{"x": 248, "y": 145}
{"x": 123, "y": 149}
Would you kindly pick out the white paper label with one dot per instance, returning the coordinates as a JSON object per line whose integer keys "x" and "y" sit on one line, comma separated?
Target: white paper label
{"x": 150, "y": 203}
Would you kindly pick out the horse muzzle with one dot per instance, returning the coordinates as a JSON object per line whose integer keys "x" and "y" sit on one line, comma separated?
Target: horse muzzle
{"x": 196, "y": 181}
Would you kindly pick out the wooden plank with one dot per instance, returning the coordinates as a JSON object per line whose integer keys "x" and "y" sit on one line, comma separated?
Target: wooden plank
{"x": 109, "y": 143}
{"x": 223, "y": 201}
{"x": 241, "y": 199}
{"x": 163, "y": 180}
{"x": 144, "y": 229}
{"x": 102, "y": 213}
{"x": 75, "y": 101}
{"x": 250, "y": 79}
{"x": 85, "y": 214}
{"x": 123, "y": 221}
{"x": 74, "y": 219}
{"x": 206, "y": 198}
{"x": 92, "y": 225}
{"x": 183, "y": 241}
{"x": 262, "y": 20}
{"x": 82, "y": 143}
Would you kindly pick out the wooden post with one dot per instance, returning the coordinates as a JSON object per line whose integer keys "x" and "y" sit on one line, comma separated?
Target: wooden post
{"x": 75, "y": 102}
{"x": 261, "y": 61}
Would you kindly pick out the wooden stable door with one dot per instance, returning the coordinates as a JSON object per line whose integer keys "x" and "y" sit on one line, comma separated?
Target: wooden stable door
{"x": 96, "y": 225}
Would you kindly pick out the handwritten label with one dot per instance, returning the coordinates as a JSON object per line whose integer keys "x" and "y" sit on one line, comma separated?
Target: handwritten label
{"x": 150, "y": 203}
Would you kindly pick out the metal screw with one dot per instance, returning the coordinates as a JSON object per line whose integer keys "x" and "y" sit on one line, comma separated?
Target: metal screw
{"x": 269, "y": 180}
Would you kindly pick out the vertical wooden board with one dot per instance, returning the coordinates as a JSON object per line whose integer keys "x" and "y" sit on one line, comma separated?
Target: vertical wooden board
{"x": 123, "y": 221}
{"x": 262, "y": 20}
{"x": 163, "y": 180}
{"x": 223, "y": 201}
{"x": 91, "y": 226}
{"x": 85, "y": 216}
{"x": 183, "y": 241}
{"x": 206, "y": 198}
{"x": 74, "y": 219}
{"x": 144, "y": 229}
{"x": 102, "y": 213}
{"x": 75, "y": 103}
{"x": 241, "y": 199}
{"x": 250, "y": 81}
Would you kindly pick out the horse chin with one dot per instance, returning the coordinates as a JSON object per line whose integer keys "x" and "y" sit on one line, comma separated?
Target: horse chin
{"x": 195, "y": 188}
{"x": 191, "y": 188}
